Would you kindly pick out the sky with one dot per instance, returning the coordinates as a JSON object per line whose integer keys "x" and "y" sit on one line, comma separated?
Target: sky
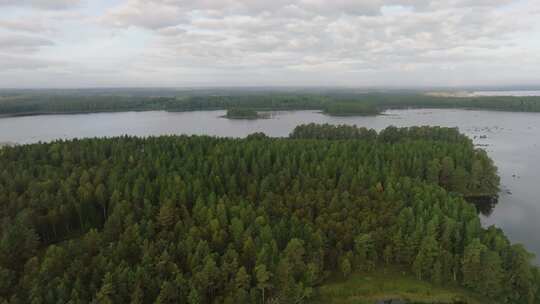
{"x": 189, "y": 43}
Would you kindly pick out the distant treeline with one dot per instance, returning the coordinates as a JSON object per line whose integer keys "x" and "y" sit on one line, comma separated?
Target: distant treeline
{"x": 254, "y": 102}
{"x": 198, "y": 219}
{"x": 335, "y": 103}
{"x": 48, "y": 104}
{"x": 500, "y": 103}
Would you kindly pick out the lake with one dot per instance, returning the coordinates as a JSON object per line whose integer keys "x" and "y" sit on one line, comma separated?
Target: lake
{"x": 511, "y": 139}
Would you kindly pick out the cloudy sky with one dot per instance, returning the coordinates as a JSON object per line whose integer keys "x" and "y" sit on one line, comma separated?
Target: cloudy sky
{"x": 128, "y": 43}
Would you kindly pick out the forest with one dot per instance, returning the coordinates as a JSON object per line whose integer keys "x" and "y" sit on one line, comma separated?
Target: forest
{"x": 332, "y": 102}
{"x": 199, "y": 219}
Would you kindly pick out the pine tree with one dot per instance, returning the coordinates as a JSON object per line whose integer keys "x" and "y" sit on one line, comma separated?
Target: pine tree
{"x": 492, "y": 275}
{"x": 432, "y": 172}
{"x": 242, "y": 279}
{"x": 263, "y": 279}
{"x": 365, "y": 252}
{"x": 105, "y": 293}
{"x": 345, "y": 267}
{"x": 426, "y": 258}
{"x": 137, "y": 297}
{"x": 472, "y": 264}
{"x": 167, "y": 214}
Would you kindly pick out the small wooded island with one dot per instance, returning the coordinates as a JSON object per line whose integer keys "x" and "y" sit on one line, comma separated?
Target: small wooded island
{"x": 350, "y": 109}
{"x": 238, "y": 113}
{"x": 199, "y": 219}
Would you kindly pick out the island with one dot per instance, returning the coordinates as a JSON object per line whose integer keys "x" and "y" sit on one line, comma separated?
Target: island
{"x": 350, "y": 109}
{"x": 239, "y": 113}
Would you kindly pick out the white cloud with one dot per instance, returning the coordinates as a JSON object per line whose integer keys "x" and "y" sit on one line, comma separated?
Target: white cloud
{"x": 9, "y": 63}
{"x": 25, "y": 44}
{"x": 301, "y": 41}
{"x": 41, "y": 4}
{"x": 19, "y": 25}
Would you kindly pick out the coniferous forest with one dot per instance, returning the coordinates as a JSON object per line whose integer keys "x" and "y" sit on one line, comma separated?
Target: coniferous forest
{"x": 198, "y": 219}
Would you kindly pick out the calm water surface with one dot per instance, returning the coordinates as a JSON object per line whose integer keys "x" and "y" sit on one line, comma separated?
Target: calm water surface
{"x": 513, "y": 141}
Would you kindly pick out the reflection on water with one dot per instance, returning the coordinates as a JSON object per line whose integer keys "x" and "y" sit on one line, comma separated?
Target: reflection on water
{"x": 511, "y": 139}
{"x": 485, "y": 204}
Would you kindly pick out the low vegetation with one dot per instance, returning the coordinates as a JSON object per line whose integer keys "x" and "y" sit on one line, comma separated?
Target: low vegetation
{"x": 391, "y": 284}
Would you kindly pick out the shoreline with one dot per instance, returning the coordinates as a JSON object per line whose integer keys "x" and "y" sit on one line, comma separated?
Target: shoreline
{"x": 321, "y": 111}
{"x": 7, "y": 144}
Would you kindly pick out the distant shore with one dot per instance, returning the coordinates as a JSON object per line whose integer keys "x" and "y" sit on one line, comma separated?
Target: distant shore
{"x": 468, "y": 94}
{"x": 6, "y": 144}
{"x": 249, "y": 106}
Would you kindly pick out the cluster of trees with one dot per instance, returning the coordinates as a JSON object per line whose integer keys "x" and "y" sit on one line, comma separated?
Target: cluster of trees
{"x": 241, "y": 113}
{"x": 467, "y": 171}
{"x": 197, "y": 219}
{"x": 351, "y": 108}
{"x": 331, "y": 103}
{"x": 390, "y": 134}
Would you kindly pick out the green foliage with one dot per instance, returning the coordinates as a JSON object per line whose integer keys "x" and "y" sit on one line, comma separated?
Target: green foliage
{"x": 197, "y": 219}
{"x": 392, "y": 283}
{"x": 44, "y": 102}
{"x": 237, "y": 113}
{"x": 263, "y": 279}
{"x": 350, "y": 108}
{"x": 364, "y": 248}
{"x": 475, "y": 176}
{"x": 345, "y": 267}
{"x": 332, "y": 102}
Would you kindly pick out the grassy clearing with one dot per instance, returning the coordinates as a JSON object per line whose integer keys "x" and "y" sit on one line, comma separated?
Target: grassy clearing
{"x": 367, "y": 288}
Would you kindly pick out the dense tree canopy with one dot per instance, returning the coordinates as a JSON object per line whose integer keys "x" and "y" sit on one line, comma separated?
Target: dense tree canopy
{"x": 350, "y": 108}
{"x": 197, "y": 219}
{"x": 241, "y": 113}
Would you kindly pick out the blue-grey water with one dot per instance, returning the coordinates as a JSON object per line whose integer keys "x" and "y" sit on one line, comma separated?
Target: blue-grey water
{"x": 511, "y": 139}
